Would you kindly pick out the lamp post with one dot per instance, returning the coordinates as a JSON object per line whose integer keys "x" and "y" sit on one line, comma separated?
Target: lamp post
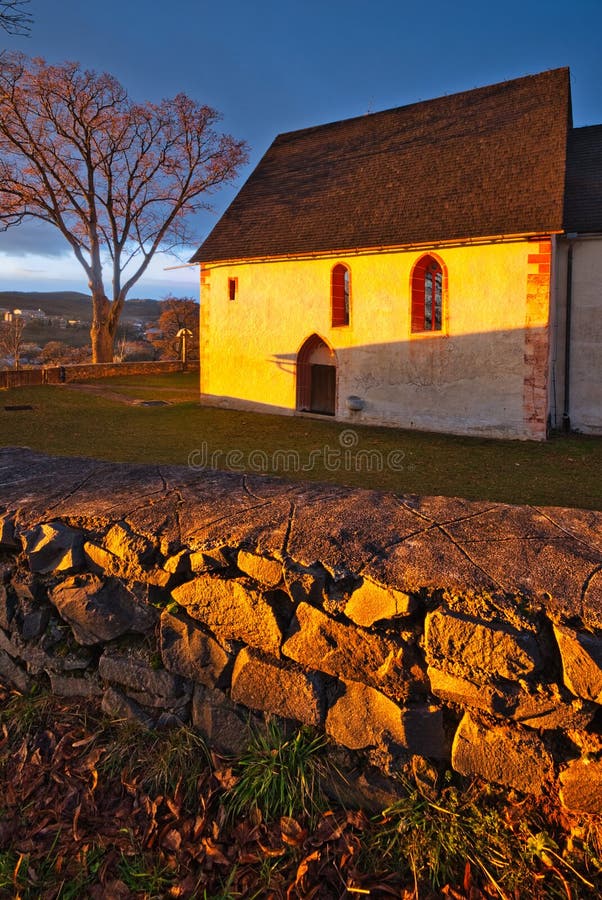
{"x": 183, "y": 333}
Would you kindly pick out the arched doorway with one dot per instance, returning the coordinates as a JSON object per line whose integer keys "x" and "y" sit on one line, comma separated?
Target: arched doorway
{"x": 316, "y": 377}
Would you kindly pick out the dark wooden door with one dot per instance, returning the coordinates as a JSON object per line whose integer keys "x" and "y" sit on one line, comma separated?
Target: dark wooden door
{"x": 323, "y": 389}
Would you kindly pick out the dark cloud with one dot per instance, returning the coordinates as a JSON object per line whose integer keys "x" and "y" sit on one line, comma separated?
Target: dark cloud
{"x": 35, "y": 238}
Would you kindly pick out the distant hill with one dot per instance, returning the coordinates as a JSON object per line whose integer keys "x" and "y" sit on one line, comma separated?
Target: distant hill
{"x": 74, "y": 305}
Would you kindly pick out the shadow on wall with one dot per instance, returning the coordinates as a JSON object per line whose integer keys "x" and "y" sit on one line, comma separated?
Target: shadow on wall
{"x": 493, "y": 384}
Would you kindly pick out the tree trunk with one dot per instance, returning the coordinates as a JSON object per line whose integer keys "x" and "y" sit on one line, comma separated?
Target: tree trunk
{"x": 102, "y": 333}
{"x": 103, "y": 345}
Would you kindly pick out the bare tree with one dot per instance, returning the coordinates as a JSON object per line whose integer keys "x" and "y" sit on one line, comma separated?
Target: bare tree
{"x": 11, "y": 339}
{"x": 177, "y": 314}
{"x": 14, "y": 18}
{"x": 117, "y": 178}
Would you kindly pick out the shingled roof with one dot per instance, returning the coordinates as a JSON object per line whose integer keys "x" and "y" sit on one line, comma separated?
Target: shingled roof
{"x": 485, "y": 162}
{"x": 583, "y": 210}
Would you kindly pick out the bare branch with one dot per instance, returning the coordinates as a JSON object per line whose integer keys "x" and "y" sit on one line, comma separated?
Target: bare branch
{"x": 117, "y": 178}
{"x": 13, "y": 18}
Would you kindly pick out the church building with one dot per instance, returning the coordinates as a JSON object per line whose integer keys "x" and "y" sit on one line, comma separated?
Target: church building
{"x": 437, "y": 266}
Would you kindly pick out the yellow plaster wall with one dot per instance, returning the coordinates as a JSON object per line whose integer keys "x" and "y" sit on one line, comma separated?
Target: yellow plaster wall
{"x": 467, "y": 379}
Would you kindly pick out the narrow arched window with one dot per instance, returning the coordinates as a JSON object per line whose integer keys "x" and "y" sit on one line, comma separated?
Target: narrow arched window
{"x": 427, "y": 295}
{"x": 339, "y": 295}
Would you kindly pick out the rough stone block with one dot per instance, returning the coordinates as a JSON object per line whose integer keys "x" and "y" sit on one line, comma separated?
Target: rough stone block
{"x": 75, "y": 662}
{"x": 506, "y": 755}
{"x": 11, "y": 645}
{"x": 137, "y": 675}
{"x": 35, "y": 658}
{"x": 8, "y": 606}
{"x": 305, "y": 584}
{"x": 24, "y": 589}
{"x": 8, "y": 538}
{"x": 187, "y": 650}
{"x": 544, "y": 708}
{"x": 214, "y": 560}
{"x": 178, "y": 706}
{"x": 592, "y": 601}
{"x": 459, "y": 690}
{"x": 473, "y": 649}
{"x": 130, "y": 547}
{"x": 220, "y": 721}
{"x": 34, "y": 619}
{"x": 266, "y": 571}
{"x": 363, "y": 717}
{"x": 73, "y": 686}
{"x": 371, "y": 602}
{"x": 158, "y": 578}
{"x": 317, "y": 641}
{"x": 53, "y": 547}
{"x": 100, "y": 611}
{"x": 13, "y": 673}
{"x": 581, "y": 655}
{"x": 38, "y": 660}
{"x": 101, "y": 561}
{"x": 233, "y": 609}
{"x": 550, "y": 708}
{"x": 179, "y": 564}
{"x": 120, "y": 706}
{"x": 117, "y": 706}
{"x": 268, "y": 684}
{"x": 581, "y": 787}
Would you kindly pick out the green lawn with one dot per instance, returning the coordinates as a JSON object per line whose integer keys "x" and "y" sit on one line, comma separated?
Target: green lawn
{"x": 564, "y": 471}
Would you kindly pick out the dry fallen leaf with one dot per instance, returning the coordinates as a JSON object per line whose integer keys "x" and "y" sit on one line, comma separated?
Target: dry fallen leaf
{"x": 292, "y": 833}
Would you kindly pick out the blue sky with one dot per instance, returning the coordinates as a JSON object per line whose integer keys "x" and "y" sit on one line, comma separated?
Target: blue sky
{"x": 275, "y": 65}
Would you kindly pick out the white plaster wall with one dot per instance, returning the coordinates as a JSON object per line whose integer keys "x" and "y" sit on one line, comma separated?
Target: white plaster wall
{"x": 586, "y": 337}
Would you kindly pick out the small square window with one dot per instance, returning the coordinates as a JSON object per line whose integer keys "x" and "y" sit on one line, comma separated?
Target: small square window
{"x": 232, "y": 288}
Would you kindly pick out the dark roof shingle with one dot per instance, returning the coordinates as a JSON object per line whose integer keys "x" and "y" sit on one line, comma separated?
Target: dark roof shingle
{"x": 583, "y": 209}
{"x": 485, "y": 162}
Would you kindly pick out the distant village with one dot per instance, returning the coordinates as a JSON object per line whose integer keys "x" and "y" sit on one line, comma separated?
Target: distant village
{"x": 32, "y": 337}
{"x": 38, "y": 315}
{"x": 41, "y": 329}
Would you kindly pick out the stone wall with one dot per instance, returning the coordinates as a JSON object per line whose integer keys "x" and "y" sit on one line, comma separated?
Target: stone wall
{"x": 12, "y": 378}
{"x": 466, "y": 633}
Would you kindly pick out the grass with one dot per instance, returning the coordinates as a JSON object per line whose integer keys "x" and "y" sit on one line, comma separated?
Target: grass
{"x": 160, "y": 762}
{"x": 279, "y": 776}
{"x": 432, "y": 841}
{"x": 564, "y": 471}
{"x": 26, "y": 713}
{"x": 140, "y": 874}
{"x": 94, "y": 807}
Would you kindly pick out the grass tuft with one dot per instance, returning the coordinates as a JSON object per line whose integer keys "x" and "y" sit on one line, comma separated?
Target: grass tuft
{"x": 23, "y": 714}
{"x": 143, "y": 875}
{"x": 279, "y": 776}
{"x": 158, "y": 762}
{"x": 465, "y": 837}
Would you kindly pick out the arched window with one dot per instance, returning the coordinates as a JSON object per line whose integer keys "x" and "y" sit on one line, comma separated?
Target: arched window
{"x": 427, "y": 295}
{"x": 339, "y": 295}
